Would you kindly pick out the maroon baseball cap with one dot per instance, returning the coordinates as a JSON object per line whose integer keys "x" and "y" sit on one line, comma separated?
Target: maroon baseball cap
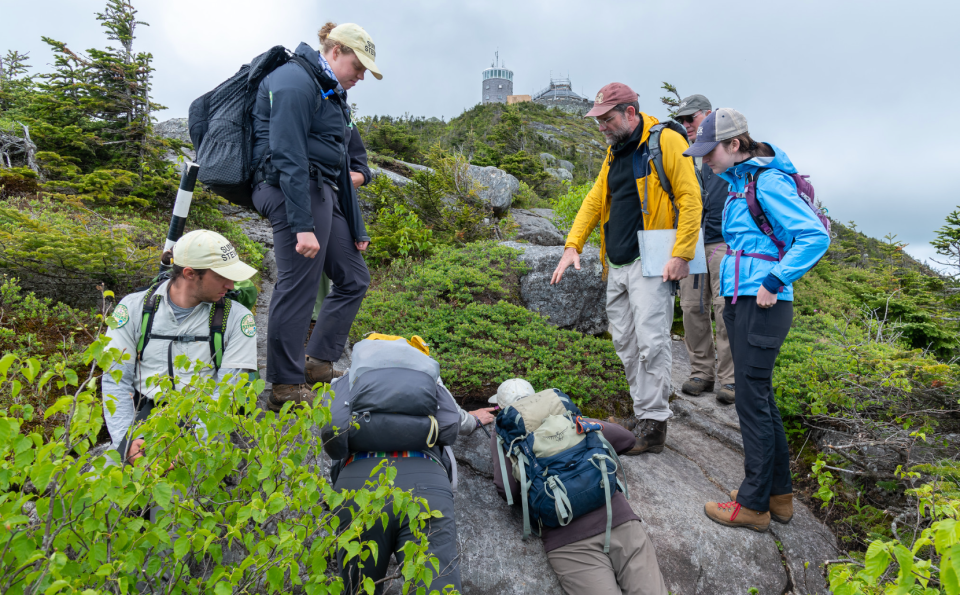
{"x": 610, "y": 96}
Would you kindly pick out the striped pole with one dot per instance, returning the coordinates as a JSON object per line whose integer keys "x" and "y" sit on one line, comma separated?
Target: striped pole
{"x": 181, "y": 208}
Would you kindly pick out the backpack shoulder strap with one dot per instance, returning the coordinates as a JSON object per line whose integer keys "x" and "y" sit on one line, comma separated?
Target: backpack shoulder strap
{"x": 151, "y": 303}
{"x": 757, "y": 213}
{"x": 656, "y": 157}
{"x": 218, "y": 321}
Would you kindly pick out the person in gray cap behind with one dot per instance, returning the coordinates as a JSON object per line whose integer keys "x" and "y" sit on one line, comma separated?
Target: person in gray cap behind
{"x": 699, "y": 292}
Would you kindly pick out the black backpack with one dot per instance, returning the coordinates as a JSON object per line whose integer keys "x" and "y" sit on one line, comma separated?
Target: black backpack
{"x": 656, "y": 158}
{"x": 221, "y": 127}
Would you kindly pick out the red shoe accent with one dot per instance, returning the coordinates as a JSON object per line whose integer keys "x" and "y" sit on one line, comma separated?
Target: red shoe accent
{"x": 734, "y": 505}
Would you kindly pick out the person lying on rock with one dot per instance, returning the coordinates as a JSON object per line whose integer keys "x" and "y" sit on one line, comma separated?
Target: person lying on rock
{"x": 756, "y": 280}
{"x": 576, "y": 551}
{"x": 394, "y": 394}
{"x": 204, "y": 267}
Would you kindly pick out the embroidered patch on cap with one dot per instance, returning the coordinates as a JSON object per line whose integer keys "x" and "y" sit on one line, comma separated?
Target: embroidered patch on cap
{"x": 248, "y": 325}
{"x": 121, "y": 315}
{"x": 599, "y": 98}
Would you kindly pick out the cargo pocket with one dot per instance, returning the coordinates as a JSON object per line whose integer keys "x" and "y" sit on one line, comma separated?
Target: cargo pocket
{"x": 762, "y": 355}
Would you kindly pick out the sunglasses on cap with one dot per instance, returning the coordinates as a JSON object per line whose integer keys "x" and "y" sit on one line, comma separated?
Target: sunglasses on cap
{"x": 686, "y": 119}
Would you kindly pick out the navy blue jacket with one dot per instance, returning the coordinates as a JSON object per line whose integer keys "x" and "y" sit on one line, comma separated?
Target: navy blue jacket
{"x": 295, "y": 130}
{"x": 715, "y": 190}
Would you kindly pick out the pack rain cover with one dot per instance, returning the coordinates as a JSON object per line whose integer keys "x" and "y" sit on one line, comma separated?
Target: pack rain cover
{"x": 393, "y": 396}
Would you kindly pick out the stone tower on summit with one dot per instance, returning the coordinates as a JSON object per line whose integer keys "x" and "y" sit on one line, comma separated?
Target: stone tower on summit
{"x": 497, "y": 83}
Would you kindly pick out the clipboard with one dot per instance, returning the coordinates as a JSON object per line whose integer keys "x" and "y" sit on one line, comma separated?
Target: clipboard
{"x": 656, "y": 248}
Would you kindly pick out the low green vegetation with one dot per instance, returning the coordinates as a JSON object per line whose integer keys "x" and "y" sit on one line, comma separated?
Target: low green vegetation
{"x": 465, "y": 303}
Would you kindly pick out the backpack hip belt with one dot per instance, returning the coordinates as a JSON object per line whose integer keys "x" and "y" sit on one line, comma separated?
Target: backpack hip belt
{"x": 736, "y": 267}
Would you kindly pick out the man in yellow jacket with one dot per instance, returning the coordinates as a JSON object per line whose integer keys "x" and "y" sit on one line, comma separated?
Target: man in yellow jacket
{"x": 628, "y": 197}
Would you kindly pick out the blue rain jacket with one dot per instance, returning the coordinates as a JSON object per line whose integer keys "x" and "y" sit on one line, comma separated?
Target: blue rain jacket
{"x": 792, "y": 220}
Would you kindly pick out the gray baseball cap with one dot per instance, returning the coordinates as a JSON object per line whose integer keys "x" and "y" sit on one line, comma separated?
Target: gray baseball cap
{"x": 693, "y": 104}
{"x": 722, "y": 124}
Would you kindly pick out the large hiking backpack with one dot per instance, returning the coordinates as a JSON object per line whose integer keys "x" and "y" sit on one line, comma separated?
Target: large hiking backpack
{"x": 564, "y": 465}
{"x": 221, "y": 127}
{"x": 656, "y": 158}
{"x": 390, "y": 400}
{"x": 804, "y": 189}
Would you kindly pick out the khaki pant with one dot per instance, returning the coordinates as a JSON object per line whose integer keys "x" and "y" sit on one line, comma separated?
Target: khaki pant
{"x": 640, "y": 310}
{"x": 630, "y": 568}
{"x": 698, "y": 332}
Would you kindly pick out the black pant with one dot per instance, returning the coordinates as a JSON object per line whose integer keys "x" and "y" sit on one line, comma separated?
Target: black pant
{"x": 428, "y": 480}
{"x": 298, "y": 280}
{"x": 756, "y": 335}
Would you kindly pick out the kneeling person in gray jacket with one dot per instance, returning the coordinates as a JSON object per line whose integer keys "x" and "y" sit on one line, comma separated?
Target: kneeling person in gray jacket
{"x": 394, "y": 393}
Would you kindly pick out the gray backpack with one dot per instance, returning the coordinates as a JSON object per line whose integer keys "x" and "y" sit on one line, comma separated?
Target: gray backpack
{"x": 390, "y": 400}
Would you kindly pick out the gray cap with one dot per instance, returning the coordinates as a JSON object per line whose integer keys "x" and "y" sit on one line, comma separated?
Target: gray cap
{"x": 721, "y": 125}
{"x": 693, "y": 104}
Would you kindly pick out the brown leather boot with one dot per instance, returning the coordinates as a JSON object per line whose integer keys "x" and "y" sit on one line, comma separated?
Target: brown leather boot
{"x": 292, "y": 393}
{"x": 651, "y": 434}
{"x": 732, "y": 514}
{"x": 317, "y": 370}
{"x": 695, "y": 386}
{"x": 781, "y": 507}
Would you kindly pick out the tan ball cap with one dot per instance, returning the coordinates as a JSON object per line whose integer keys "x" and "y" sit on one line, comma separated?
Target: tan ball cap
{"x": 203, "y": 249}
{"x": 354, "y": 37}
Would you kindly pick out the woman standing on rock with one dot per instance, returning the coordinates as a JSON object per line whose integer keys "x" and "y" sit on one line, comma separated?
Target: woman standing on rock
{"x": 756, "y": 279}
{"x": 301, "y": 128}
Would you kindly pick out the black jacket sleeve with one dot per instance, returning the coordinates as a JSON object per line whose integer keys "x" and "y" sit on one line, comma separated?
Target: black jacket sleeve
{"x": 347, "y": 195}
{"x": 358, "y": 155}
{"x": 292, "y": 103}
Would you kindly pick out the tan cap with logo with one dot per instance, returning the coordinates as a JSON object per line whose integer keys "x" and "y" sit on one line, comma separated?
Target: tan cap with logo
{"x": 354, "y": 37}
{"x": 203, "y": 249}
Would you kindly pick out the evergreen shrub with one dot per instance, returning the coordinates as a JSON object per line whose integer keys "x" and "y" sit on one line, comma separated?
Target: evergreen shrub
{"x": 465, "y": 302}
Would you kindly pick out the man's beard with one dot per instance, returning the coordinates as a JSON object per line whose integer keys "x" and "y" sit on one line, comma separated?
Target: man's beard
{"x": 618, "y": 136}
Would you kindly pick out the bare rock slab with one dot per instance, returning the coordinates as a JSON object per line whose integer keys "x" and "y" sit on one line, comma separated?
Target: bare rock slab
{"x": 536, "y": 229}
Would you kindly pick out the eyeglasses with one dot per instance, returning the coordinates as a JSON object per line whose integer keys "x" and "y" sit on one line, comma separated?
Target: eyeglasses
{"x": 686, "y": 119}
{"x": 605, "y": 121}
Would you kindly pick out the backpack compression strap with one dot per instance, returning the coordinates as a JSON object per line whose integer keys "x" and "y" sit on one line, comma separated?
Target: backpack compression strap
{"x": 218, "y": 320}
{"x": 503, "y": 471}
{"x": 522, "y": 462}
{"x": 600, "y": 462}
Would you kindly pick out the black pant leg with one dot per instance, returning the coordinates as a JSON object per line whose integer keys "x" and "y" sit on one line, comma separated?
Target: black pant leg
{"x": 756, "y": 335}
{"x": 442, "y": 532}
{"x": 428, "y": 480}
{"x": 298, "y": 280}
{"x": 347, "y": 271}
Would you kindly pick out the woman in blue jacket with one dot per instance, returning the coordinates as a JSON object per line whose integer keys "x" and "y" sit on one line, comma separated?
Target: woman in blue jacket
{"x": 756, "y": 279}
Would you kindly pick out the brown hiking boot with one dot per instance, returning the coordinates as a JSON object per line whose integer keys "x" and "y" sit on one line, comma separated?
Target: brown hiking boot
{"x": 781, "y": 507}
{"x": 317, "y": 370}
{"x": 695, "y": 386}
{"x": 732, "y": 514}
{"x": 651, "y": 434}
{"x": 289, "y": 393}
{"x": 727, "y": 394}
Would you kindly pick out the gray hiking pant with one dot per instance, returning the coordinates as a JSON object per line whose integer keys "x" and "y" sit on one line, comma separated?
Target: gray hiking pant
{"x": 696, "y": 304}
{"x": 630, "y": 568}
{"x": 428, "y": 480}
{"x": 298, "y": 280}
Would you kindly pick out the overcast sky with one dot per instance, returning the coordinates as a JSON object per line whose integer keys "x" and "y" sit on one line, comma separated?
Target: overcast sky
{"x": 859, "y": 94}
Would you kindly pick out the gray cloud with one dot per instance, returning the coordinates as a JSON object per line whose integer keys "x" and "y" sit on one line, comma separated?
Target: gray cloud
{"x": 857, "y": 93}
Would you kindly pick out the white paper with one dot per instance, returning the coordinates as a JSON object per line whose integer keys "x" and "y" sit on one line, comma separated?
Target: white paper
{"x": 656, "y": 248}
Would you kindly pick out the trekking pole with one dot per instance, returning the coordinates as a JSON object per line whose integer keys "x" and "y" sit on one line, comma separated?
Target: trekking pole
{"x": 181, "y": 208}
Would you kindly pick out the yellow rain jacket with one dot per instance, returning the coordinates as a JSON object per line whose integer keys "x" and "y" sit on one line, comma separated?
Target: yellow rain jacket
{"x": 660, "y": 212}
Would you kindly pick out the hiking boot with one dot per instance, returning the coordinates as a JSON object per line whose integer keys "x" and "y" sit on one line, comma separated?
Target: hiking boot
{"x": 732, "y": 514}
{"x": 317, "y": 370}
{"x": 651, "y": 434}
{"x": 289, "y": 393}
{"x": 781, "y": 507}
{"x": 726, "y": 394}
{"x": 695, "y": 386}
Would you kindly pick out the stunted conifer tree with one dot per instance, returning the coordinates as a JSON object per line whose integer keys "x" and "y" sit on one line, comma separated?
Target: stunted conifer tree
{"x": 105, "y": 93}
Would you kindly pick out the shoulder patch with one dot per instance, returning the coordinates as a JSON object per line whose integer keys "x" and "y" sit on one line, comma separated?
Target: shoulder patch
{"x": 248, "y": 326}
{"x": 121, "y": 315}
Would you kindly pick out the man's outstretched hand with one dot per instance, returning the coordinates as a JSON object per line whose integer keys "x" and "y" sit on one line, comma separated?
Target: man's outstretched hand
{"x": 569, "y": 257}
{"x": 484, "y": 416}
